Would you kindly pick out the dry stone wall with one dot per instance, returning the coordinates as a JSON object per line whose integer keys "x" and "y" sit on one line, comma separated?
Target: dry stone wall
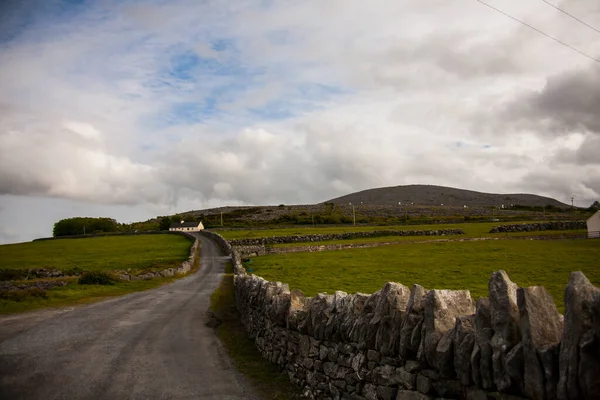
{"x": 541, "y": 226}
{"x": 183, "y": 269}
{"x": 317, "y": 237}
{"x": 414, "y": 343}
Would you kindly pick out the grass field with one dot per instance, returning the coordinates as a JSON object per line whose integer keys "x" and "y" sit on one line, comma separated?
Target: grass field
{"x": 138, "y": 252}
{"x": 452, "y": 265}
{"x": 471, "y": 228}
{"x": 141, "y": 253}
{"x": 403, "y": 239}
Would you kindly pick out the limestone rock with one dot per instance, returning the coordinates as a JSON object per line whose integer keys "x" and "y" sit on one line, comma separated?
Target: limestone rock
{"x": 578, "y": 368}
{"x": 464, "y": 340}
{"x": 541, "y": 326}
{"x": 388, "y": 315}
{"x": 440, "y": 312}
{"x": 411, "y": 395}
{"x": 321, "y": 311}
{"x": 413, "y": 319}
{"x": 298, "y": 310}
{"x": 481, "y": 358}
{"x": 444, "y": 354}
{"x": 504, "y": 314}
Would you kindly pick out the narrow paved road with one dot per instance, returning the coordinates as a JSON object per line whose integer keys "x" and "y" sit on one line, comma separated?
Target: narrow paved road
{"x": 147, "y": 345}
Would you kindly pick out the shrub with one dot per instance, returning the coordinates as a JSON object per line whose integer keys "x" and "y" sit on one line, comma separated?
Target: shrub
{"x": 24, "y": 294}
{"x": 73, "y": 271}
{"x": 96, "y": 278}
{"x": 8, "y": 274}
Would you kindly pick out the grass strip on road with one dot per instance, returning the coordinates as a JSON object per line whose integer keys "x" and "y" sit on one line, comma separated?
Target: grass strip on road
{"x": 449, "y": 265}
{"x": 272, "y": 383}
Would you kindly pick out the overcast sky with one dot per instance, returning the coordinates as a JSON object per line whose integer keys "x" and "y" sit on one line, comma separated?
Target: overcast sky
{"x": 136, "y": 109}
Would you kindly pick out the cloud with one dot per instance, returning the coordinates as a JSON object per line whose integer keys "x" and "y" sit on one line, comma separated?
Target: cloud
{"x": 569, "y": 101}
{"x": 164, "y": 106}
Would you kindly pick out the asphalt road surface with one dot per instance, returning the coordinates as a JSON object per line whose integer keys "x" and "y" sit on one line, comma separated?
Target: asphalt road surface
{"x": 147, "y": 345}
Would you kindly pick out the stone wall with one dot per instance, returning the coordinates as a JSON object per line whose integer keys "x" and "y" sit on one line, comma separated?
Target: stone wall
{"x": 541, "y": 226}
{"x": 318, "y": 237}
{"x": 414, "y": 343}
{"x": 183, "y": 269}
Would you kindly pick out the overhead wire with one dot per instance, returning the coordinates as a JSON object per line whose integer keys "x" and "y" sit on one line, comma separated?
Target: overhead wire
{"x": 539, "y": 31}
{"x": 570, "y": 15}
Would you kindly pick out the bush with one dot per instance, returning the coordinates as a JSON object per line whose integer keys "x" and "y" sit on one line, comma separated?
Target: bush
{"x": 73, "y": 271}
{"x": 24, "y": 294}
{"x": 96, "y": 278}
{"x": 7, "y": 274}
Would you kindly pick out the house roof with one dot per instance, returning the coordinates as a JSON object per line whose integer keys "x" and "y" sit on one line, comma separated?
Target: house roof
{"x": 192, "y": 224}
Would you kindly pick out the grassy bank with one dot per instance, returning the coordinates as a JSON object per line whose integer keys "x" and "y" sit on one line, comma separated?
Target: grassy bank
{"x": 265, "y": 377}
{"x": 75, "y": 294}
{"x": 140, "y": 252}
{"x": 451, "y": 265}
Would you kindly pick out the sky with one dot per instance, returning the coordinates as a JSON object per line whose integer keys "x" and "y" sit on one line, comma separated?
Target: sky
{"x": 133, "y": 109}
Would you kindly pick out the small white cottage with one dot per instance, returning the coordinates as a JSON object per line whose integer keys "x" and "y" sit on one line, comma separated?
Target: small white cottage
{"x": 186, "y": 226}
{"x": 593, "y": 225}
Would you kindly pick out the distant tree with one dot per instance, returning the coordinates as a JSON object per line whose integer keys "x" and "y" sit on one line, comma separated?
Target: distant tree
{"x": 595, "y": 206}
{"x": 81, "y": 225}
{"x": 165, "y": 223}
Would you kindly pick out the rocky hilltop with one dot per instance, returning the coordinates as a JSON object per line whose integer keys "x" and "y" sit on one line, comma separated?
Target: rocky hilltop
{"x": 436, "y": 195}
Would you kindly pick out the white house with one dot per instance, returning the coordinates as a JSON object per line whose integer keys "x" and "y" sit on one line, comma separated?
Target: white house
{"x": 593, "y": 225}
{"x": 186, "y": 226}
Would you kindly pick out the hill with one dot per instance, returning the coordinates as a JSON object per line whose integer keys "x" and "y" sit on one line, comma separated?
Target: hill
{"x": 430, "y": 195}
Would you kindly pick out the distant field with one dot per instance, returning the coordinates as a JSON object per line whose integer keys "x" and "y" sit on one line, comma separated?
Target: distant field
{"x": 475, "y": 228}
{"x": 404, "y": 239}
{"x": 471, "y": 229}
{"x": 138, "y": 252}
{"x": 452, "y": 265}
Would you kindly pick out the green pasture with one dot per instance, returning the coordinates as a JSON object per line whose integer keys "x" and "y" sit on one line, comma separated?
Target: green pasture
{"x": 110, "y": 253}
{"x": 470, "y": 228}
{"x": 449, "y": 265}
{"x": 139, "y": 252}
{"x": 403, "y": 239}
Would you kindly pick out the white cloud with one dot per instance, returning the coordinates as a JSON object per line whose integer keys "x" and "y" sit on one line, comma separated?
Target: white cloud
{"x": 293, "y": 102}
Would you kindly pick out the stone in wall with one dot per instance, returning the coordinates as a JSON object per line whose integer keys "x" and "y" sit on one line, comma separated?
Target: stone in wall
{"x": 410, "y": 332}
{"x": 440, "y": 311}
{"x": 464, "y": 341}
{"x": 389, "y": 314}
{"x": 579, "y": 366}
{"x": 541, "y": 326}
{"x": 298, "y": 311}
{"x": 505, "y": 319}
{"x": 481, "y": 357}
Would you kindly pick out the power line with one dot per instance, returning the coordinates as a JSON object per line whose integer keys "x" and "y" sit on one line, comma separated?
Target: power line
{"x": 572, "y": 16}
{"x": 538, "y": 31}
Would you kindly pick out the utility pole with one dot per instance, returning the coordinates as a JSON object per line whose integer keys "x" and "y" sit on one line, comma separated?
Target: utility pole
{"x": 353, "y": 214}
{"x": 221, "y": 218}
{"x": 84, "y": 229}
{"x": 572, "y": 198}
